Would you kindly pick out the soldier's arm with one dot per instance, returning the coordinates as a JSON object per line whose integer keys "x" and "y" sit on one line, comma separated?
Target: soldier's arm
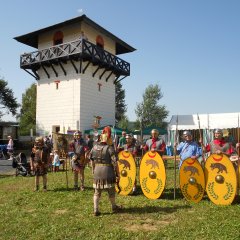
{"x": 114, "y": 158}
{"x": 92, "y": 160}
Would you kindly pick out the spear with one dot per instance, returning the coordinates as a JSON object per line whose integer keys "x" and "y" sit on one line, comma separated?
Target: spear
{"x": 175, "y": 159}
{"x": 200, "y": 134}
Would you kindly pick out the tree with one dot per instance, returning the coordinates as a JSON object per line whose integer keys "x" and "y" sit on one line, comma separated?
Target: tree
{"x": 123, "y": 123}
{"x": 8, "y": 103}
{"x": 28, "y": 111}
{"x": 120, "y": 106}
{"x": 149, "y": 112}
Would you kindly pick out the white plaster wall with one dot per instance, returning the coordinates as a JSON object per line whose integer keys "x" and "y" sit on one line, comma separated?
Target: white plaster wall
{"x": 96, "y": 103}
{"x": 75, "y": 102}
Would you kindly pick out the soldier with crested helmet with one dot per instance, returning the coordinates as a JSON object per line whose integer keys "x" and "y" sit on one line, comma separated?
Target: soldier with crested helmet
{"x": 39, "y": 162}
{"x": 105, "y": 172}
{"x": 79, "y": 147}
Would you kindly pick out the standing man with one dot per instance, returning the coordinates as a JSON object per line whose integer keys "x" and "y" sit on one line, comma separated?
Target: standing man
{"x": 10, "y": 147}
{"x": 187, "y": 148}
{"x": 219, "y": 145}
{"x": 39, "y": 162}
{"x": 130, "y": 146}
{"x": 105, "y": 172}
{"x": 79, "y": 147}
{"x": 155, "y": 143}
{"x": 122, "y": 141}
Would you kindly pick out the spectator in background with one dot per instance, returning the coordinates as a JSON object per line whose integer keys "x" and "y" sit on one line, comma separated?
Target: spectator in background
{"x": 122, "y": 141}
{"x": 89, "y": 141}
{"x": 56, "y": 161}
{"x": 10, "y": 147}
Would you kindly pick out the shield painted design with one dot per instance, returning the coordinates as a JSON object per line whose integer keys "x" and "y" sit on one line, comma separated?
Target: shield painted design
{"x": 152, "y": 175}
{"x": 127, "y": 170}
{"x": 192, "y": 180}
{"x": 221, "y": 179}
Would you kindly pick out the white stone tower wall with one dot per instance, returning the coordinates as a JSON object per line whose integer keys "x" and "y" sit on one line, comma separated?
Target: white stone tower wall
{"x": 76, "y": 101}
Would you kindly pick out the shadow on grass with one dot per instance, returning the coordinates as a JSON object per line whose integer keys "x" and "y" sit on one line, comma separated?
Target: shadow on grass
{"x": 70, "y": 189}
{"x": 169, "y": 194}
{"x": 148, "y": 209}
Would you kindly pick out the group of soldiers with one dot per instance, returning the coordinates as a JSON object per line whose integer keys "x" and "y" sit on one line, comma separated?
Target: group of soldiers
{"x": 103, "y": 156}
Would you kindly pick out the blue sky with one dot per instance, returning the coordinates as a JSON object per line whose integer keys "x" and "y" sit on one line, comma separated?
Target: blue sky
{"x": 190, "y": 48}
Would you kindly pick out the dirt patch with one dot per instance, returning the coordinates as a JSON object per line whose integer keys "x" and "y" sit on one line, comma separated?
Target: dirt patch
{"x": 149, "y": 224}
{"x": 60, "y": 211}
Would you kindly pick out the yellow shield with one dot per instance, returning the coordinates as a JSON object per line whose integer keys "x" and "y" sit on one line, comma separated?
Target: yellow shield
{"x": 152, "y": 175}
{"x": 221, "y": 179}
{"x": 127, "y": 170}
{"x": 192, "y": 180}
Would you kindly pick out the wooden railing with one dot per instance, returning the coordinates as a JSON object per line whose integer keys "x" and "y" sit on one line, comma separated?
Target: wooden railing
{"x": 79, "y": 49}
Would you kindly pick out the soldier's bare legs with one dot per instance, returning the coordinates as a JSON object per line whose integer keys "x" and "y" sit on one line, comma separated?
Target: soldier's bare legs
{"x": 96, "y": 198}
{"x": 36, "y": 183}
{"x": 44, "y": 182}
{"x": 82, "y": 178}
{"x": 75, "y": 173}
{"x": 111, "y": 195}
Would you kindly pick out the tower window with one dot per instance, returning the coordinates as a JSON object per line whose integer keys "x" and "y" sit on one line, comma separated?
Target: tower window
{"x": 58, "y": 38}
{"x": 99, "y": 41}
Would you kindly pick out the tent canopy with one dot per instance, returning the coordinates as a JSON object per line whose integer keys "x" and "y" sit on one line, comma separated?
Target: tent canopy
{"x": 207, "y": 121}
{"x": 115, "y": 130}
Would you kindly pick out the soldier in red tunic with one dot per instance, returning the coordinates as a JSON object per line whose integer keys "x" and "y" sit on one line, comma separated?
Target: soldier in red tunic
{"x": 219, "y": 145}
{"x": 130, "y": 146}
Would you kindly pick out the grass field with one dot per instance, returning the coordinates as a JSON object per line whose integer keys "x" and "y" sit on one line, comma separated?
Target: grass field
{"x": 62, "y": 213}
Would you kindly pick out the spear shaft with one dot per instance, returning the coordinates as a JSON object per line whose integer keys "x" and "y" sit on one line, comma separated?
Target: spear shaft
{"x": 200, "y": 134}
{"x": 175, "y": 159}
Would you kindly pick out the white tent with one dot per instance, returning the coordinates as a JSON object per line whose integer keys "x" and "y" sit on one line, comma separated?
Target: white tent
{"x": 206, "y": 121}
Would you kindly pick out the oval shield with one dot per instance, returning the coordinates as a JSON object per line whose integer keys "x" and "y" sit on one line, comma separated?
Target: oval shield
{"x": 152, "y": 175}
{"x": 221, "y": 179}
{"x": 127, "y": 170}
{"x": 192, "y": 180}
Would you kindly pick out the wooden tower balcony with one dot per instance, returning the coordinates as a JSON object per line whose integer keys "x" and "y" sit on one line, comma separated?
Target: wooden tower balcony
{"x": 76, "y": 52}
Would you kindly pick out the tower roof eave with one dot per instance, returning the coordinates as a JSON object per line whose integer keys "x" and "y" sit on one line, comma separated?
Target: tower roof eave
{"x": 31, "y": 39}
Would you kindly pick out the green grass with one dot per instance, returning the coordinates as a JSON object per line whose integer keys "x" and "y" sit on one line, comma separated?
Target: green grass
{"x": 62, "y": 213}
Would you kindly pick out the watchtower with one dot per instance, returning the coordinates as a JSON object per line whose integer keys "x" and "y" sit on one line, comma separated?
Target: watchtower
{"x": 76, "y": 67}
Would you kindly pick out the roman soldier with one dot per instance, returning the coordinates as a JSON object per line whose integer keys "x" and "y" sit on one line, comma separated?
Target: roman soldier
{"x": 130, "y": 146}
{"x": 219, "y": 145}
{"x": 155, "y": 143}
{"x": 79, "y": 147}
{"x": 39, "y": 162}
{"x": 105, "y": 172}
